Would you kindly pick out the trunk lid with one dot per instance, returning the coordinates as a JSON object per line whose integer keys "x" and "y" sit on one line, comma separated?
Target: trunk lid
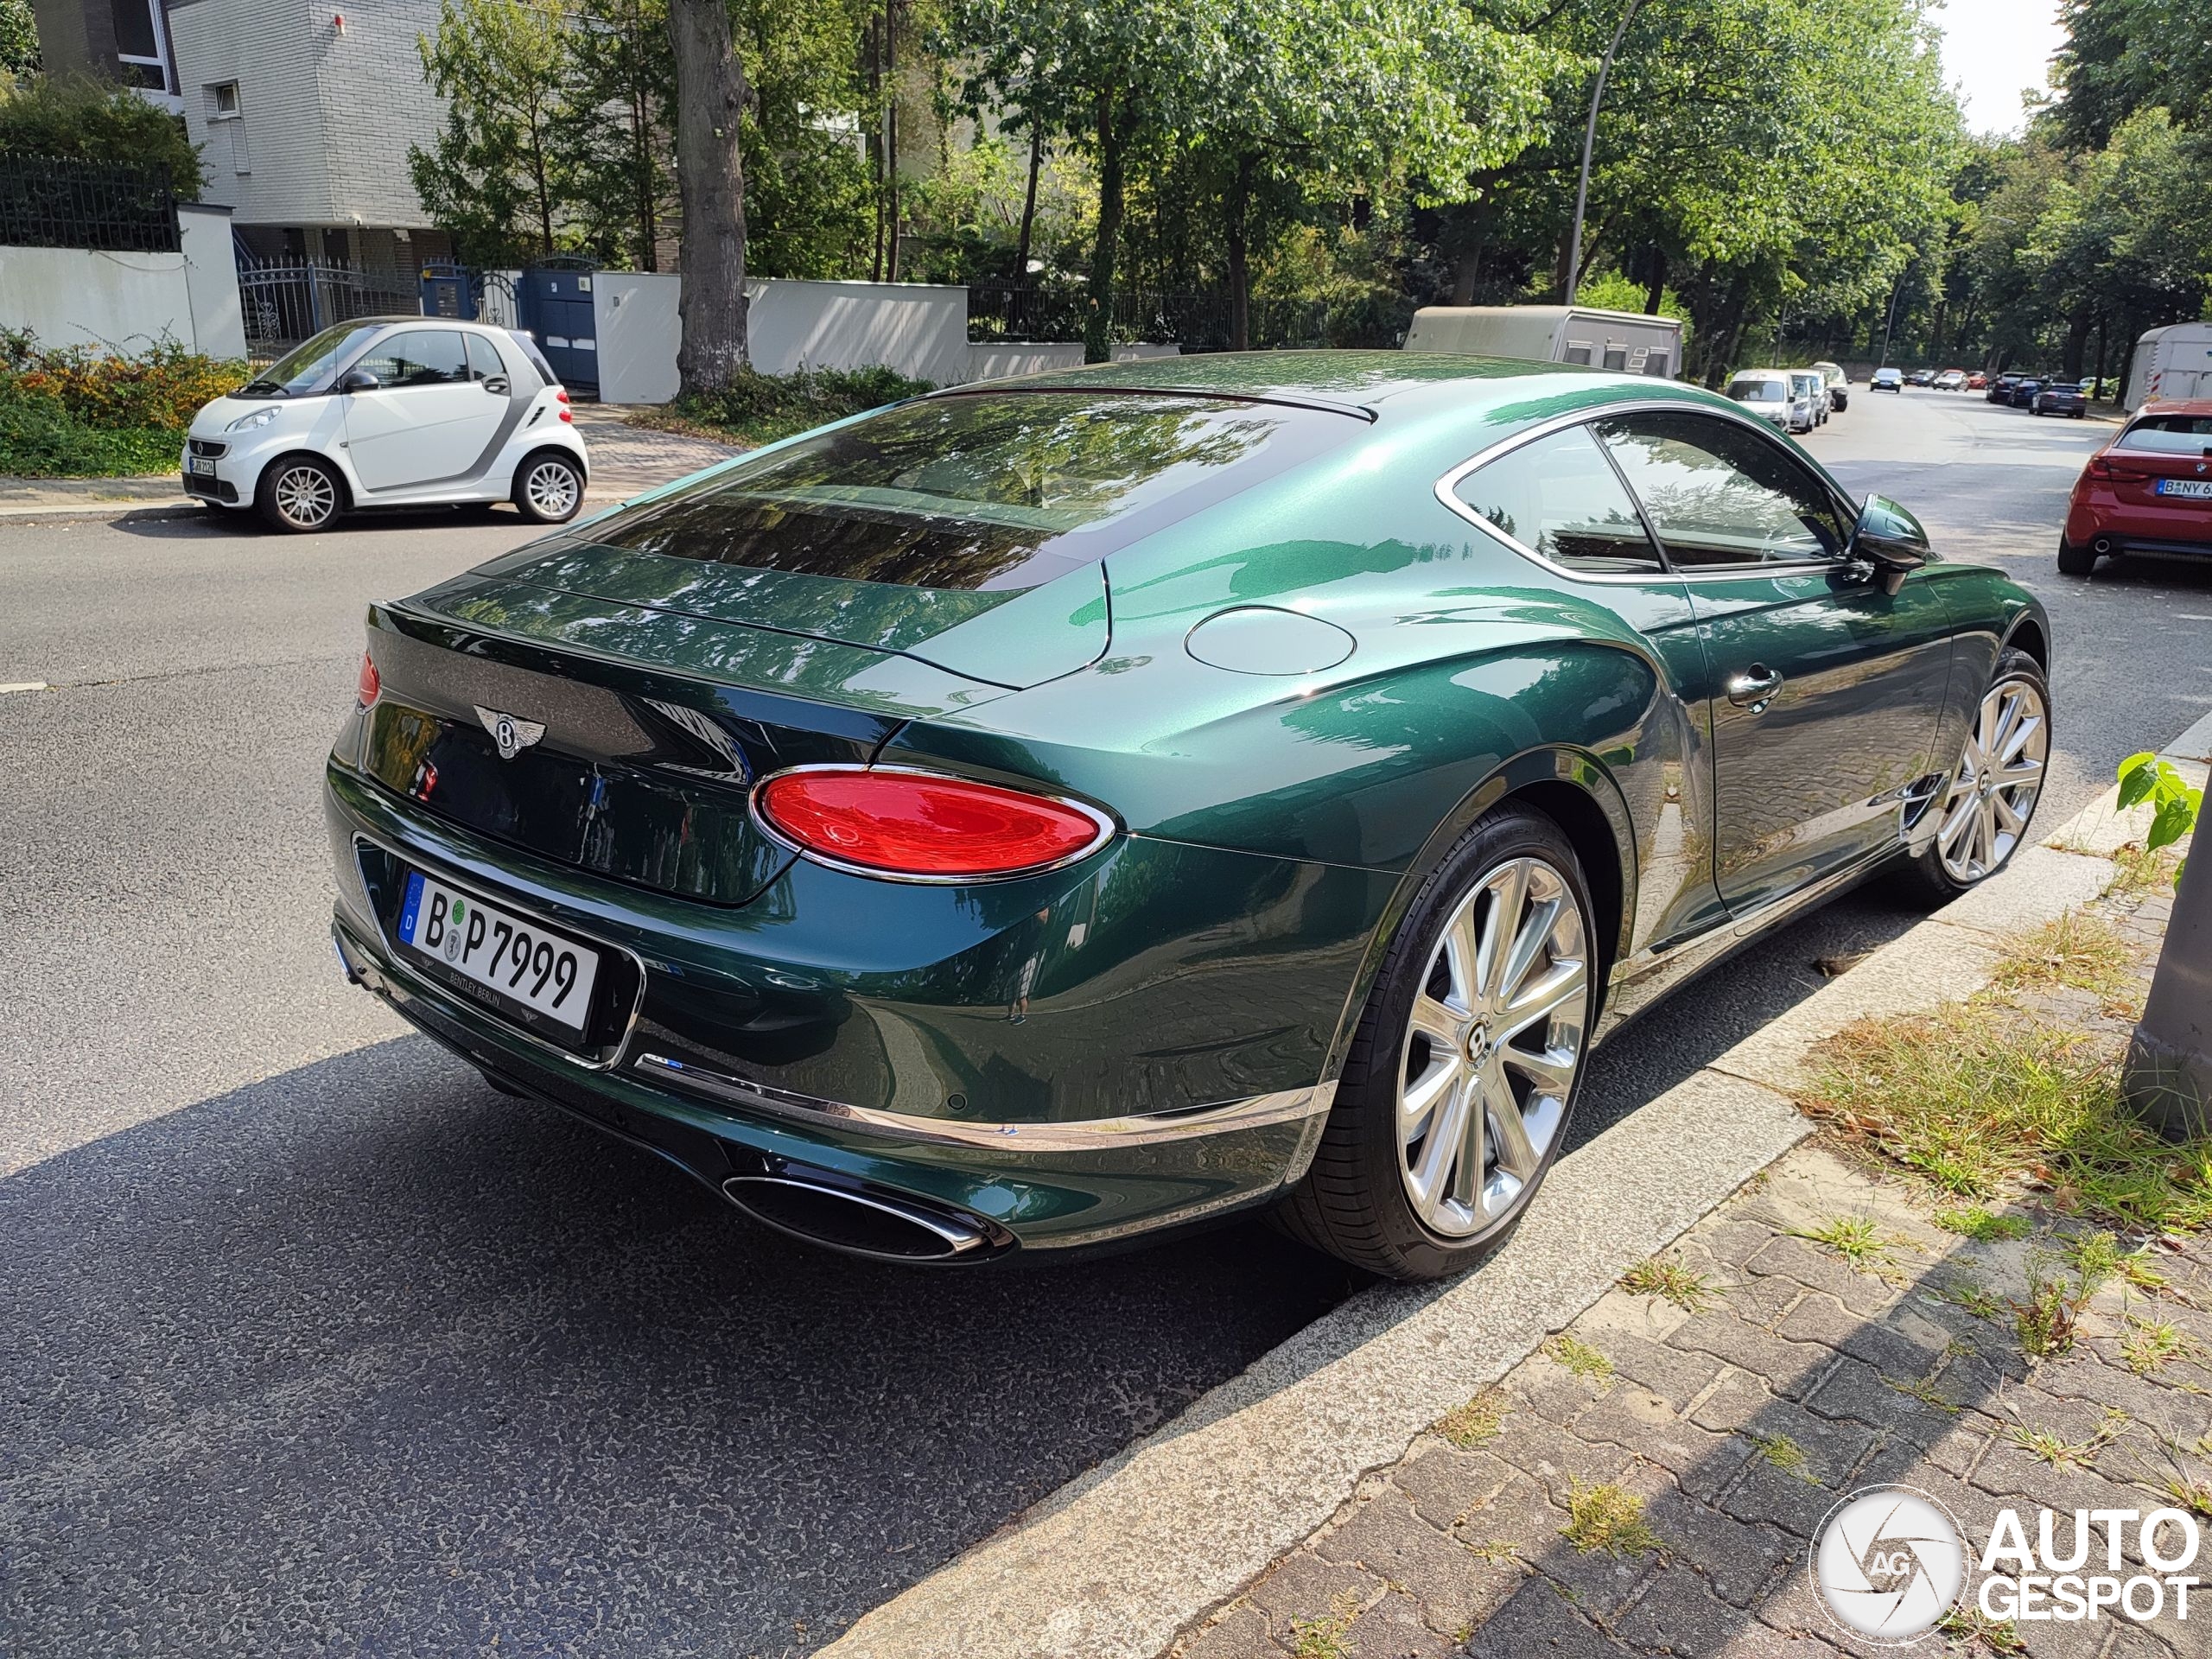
{"x": 641, "y": 733}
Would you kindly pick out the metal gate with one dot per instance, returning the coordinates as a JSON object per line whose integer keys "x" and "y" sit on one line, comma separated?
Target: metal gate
{"x": 286, "y": 303}
{"x": 556, "y": 305}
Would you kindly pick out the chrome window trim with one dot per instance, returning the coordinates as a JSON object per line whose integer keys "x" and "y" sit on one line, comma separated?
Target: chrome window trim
{"x": 1107, "y": 826}
{"x": 1447, "y": 485}
{"x": 398, "y": 966}
{"x": 1088, "y": 1134}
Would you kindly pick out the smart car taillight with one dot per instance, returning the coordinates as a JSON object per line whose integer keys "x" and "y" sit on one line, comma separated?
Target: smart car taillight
{"x": 365, "y": 688}
{"x": 924, "y": 826}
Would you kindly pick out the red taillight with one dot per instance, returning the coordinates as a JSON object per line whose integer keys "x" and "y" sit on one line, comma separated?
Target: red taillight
{"x": 2105, "y": 472}
{"x": 561, "y": 393}
{"x": 366, "y": 689}
{"x": 922, "y": 826}
{"x": 568, "y": 418}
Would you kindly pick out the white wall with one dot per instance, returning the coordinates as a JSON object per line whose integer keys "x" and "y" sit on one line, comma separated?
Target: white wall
{"x": 211, "y": 280}
{"x": 920, "y": 330}
{"x": 634, "y": 313}
{"x": 119, "y": 301}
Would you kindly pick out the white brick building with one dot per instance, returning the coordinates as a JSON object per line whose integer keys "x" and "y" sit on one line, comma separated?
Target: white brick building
{"x": 306, "y": 109}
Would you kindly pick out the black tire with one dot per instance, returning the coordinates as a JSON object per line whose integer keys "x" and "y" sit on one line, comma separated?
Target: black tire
{"x": 1926, "y": 876}
{"x": 289, "y": 499}
{"x": 2076, "y": 561}
{"x": 1353, "y": 1202}
{"x": 539, "y": 498}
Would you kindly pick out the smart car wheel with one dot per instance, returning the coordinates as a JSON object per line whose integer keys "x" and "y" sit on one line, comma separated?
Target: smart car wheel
{"x": 1455, "y": 1095}
{"x": 549, "y": 489}
{"x": 1983, "y": 809}
{"x": 299, "y": 493}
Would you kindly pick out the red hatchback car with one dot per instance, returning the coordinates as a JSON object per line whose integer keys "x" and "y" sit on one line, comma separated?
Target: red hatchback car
{"x": 2148, "y": 490}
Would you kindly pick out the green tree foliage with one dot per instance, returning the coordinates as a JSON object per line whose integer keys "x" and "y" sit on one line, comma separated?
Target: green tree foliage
{"x": 610, "y": 126}
{"x": 18, "y": 39}
{"x": 491, "y": 177}
{"x": 94, "y": 121}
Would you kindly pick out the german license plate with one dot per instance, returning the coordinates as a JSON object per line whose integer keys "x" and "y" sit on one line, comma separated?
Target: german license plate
{"x": 2188, "y": 489}
{"x": 497, "y": 948}
{"x": 205, "y": 467}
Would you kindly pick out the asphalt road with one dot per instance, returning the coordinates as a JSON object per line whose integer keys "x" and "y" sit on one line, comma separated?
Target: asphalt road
{"x": 312, "y": 1343}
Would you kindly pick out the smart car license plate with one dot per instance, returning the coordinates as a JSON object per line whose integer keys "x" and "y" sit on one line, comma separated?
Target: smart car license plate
{"x": 2188, "y": 489}
{"x": 499, "y": 949}
{"x": 203, "y": 466}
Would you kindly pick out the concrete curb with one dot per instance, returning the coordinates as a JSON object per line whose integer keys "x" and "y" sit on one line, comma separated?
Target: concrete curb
{"x": 1122, "y": 1559}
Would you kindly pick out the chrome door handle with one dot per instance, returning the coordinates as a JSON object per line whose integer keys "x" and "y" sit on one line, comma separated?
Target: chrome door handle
{"x": 1754, "y": 688}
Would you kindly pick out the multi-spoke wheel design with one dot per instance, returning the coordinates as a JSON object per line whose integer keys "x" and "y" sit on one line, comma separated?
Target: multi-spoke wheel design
{"x": 1985, "y": 808}
{"x": 549, "y": 489}
{"x": 1491, "y": 1048}
{"x": 302, "y": 495}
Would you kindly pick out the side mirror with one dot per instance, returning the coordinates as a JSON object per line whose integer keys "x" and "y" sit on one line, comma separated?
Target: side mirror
{"x": 358, "y": 380}
{"x": 1891, "y": 540}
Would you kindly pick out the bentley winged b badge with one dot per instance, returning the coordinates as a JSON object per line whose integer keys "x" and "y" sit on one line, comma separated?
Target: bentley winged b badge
{"x": 512, "y": 736}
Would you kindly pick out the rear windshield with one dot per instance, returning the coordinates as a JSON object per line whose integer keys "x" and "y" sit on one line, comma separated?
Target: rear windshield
{"x": 1758, "y": 391}
{"x": 2172, "y": 435}
{"x": 985, "y": 491}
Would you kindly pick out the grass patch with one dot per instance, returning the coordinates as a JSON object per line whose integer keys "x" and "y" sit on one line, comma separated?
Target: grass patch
{"x": 1925, "y": 1393}
{"x": 2046, "y": 1319}
{"x": 1475, "y": 1424}
{"x": 2151, "y": 1344}
{"x": 1671, "y": 1282}
{"x": 2055, "y": 1451}
{"x": 1608, "y": 1518}
{"x": 1981, "y": 1225}
{"x": 1976, "y": 1298}
{"x": 2077, "y": 952}
{"x": 1782, "y": 1453}
{"x": 759, "y": 409}
{"x": 1856, "y": 1239}
{"x": 2137, "y": 870}
{"x": 1979, "y": 1633}
{"x": 1580, "y": 1357}
{"x": 1980, "y": 1101}
{"x": 1324, "y": 1637}
{"x": 1495, "y": 1551}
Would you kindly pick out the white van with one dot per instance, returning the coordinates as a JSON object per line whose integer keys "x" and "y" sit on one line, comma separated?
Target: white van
{"x": 2171, "y": 363}
{"x": 1626, "y": 340}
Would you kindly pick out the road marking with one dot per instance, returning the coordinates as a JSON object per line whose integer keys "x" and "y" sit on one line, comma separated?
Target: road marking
{"x": 24, "y": 686}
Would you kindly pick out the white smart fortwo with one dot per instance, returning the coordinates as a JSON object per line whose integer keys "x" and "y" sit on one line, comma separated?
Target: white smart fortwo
{"x": 392, "y": 412}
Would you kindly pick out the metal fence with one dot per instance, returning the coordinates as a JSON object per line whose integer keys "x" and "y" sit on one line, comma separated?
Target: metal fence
{"x": 49, "y": 203}
{"x": 1197, "y": 321}
{"x": 286, "y": 303}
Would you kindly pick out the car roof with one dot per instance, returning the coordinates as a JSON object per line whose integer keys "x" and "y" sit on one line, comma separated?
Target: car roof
{"x": 1761, "y": 374}
{"x": 402, "y": 319}
{"x": 2191, "y": 406}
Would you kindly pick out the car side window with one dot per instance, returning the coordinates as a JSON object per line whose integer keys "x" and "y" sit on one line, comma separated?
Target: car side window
{"x": 1560, "y": 498}
{"x": 484, "y": 362}
{"x": 421, "y": 357}
{"x": 1720, "y": 495}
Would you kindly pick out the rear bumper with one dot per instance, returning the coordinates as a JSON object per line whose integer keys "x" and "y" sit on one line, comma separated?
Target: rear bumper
{"x": 2172, "y": 532}
{"x": 678, "y": 1081}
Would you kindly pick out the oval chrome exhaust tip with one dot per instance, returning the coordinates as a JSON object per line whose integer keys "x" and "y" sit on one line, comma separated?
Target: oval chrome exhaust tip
{"x": 2101, "y": 546}
{"x": 860, "y": 1223}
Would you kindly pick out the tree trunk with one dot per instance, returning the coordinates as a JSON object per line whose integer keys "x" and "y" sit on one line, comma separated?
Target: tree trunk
{"x": 891, "y": 136}
{"x": 1655, "y": 292}
{"x": 2077, "y": 340}
{"x": 1240, "y": 274}
{"x": 710, "y": 179}
{"x": 1467, "y": 269}
{"x": 1029, "y": 201}
{"x": 2168, "y": 1076}
{"x": 1098, "y": 323}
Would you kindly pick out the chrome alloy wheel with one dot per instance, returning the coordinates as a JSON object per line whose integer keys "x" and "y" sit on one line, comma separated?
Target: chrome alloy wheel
{"x": 305, "y": 495}
{"x": 1985, "y": 809}
{"x": 1492, "y": 1047}
{"x": 550, "y": 488}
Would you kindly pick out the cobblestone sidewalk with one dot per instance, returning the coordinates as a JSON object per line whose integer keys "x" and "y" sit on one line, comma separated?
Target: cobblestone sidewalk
{"x": 1650, "y": 1482}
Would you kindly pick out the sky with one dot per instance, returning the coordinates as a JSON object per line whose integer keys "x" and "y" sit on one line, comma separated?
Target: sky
{"x": 1992, "y": 48}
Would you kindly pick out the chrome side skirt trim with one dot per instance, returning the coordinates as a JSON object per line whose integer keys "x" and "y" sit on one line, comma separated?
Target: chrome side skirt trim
{"x": 1091, "y": 1134}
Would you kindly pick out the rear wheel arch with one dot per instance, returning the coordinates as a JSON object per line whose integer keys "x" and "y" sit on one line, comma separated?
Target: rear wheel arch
{"x": 1575, "y": 791}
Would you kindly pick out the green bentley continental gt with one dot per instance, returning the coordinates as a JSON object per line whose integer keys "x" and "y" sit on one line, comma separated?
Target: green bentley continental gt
{"x": 1041, "y": 813}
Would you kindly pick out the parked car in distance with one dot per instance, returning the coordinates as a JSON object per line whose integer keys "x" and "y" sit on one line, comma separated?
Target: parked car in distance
{"x": 1808, "y": 385}
{"x": 391, "y": 412}
{"x": 1977, "y": 381}
{"x": 2000, "y": 389}
{"x": 2148, "y": 490}
{"x": 1887, "y": 380}
{"x": 1839, "y": 384}
{"x": 1951, "y": 381}
{"x": 2024, "y": 390}
{"x": 823, "y": 824}
{"x": 2060, "y": 398}
{"x": 1768, "y": 394}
